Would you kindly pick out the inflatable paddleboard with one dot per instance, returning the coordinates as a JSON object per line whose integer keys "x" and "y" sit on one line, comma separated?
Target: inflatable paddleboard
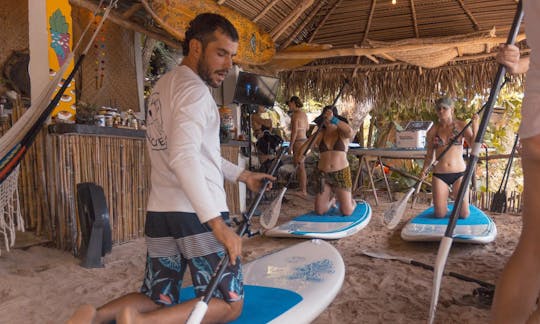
{"x": 477, "y": 228}
{"x": 255, "y": 46}
{"x": 293, "y": 285}
{"x": 332, "y": 225}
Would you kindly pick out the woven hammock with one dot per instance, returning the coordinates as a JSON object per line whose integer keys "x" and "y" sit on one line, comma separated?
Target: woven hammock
{"x": 17, "y": 140}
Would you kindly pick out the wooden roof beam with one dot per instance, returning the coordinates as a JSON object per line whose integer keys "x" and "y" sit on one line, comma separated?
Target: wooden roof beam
{"x": 469, "y": 14}
{"x": 368, "y": 23}
{"x": 415, "y": 21}
{"x": 324, "y": 20}
{"x": 117, "y": 19}
{"x": 262, "y": 13}
{"x": 132, "y": 10}
{"x": 387, "y": 57}
{"x": 286, "y": 23}
{"x": 220, "y": 2}
{"x": 303, "y": 25}
{"x": 340, "y": 52}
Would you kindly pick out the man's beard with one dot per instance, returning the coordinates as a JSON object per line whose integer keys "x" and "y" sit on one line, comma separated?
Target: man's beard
{"x": 206, "y": 74}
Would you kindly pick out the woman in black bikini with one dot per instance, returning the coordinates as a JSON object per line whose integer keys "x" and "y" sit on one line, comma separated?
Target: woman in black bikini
{"x": 448, "y": 171}
{"x": 334, "y": 173}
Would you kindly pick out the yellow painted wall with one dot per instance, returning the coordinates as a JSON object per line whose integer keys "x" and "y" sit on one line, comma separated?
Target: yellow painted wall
{"x": 60, "y": 30}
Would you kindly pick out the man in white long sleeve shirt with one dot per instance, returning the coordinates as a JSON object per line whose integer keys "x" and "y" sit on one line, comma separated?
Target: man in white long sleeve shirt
{"x": 186, "y": 222}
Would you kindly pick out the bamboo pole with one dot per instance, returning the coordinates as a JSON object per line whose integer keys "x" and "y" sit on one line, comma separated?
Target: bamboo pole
{"x": 293, "y": 16}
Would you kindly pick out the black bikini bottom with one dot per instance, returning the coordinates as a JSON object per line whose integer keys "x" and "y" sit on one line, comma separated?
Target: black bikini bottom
{"x": 449, "y": 178}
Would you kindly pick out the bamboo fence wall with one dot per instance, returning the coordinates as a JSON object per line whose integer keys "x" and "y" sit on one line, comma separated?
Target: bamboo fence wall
{"x": 56, "y": 163}
{"x": 117, "y": 164}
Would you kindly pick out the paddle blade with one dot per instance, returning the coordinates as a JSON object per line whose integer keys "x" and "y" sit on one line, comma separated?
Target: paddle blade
{"x": 197, "y": 314}
{"x": 498, "y": 205}
{"x": 270, "y": 216}
{"x": 393, "y": 216}
{"x": 438, "y": 271}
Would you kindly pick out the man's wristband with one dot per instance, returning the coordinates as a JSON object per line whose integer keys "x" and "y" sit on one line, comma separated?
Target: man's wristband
{"x": 334, "y": 120}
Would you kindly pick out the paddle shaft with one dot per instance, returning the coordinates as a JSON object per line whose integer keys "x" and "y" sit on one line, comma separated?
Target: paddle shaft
{"x": 446, "y": 242}
{"x": 212, "y": 285}
{"x": 429, "y": 267}
{"x": 454, "y": 274}
{"x": 473, "y": 159}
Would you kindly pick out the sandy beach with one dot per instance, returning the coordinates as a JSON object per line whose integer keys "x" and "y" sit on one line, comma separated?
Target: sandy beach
{"x": 45, "y": 285}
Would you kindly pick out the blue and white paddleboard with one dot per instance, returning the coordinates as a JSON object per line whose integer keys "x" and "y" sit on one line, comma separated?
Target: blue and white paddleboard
{"x": 332, "y": 225}
{"x": 293, "y": 285}
{"x": 477, "y": 228}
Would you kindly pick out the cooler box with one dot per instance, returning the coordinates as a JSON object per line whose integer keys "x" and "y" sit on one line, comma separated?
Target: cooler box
{"x": 414, "y": 135}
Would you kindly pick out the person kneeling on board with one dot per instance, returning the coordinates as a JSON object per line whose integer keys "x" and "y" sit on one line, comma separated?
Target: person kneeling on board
{"x": 449, "y": 170}
{"x": 333, "y": 171}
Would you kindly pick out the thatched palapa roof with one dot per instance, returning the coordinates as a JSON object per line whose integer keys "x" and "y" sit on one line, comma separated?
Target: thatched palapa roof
{"x": 404, "y": 51}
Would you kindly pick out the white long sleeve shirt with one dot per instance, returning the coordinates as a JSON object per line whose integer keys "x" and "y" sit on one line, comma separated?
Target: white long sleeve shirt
{"x": 183, "y": 143}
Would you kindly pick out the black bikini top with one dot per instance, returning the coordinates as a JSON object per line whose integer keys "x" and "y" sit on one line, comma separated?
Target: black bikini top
{"x": 439, "y": 142}
{"x": 339, "y": 145}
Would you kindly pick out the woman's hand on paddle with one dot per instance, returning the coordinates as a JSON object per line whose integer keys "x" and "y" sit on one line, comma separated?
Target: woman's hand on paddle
{"x": 226, "y": 236}
{"x": 255, "y": 180}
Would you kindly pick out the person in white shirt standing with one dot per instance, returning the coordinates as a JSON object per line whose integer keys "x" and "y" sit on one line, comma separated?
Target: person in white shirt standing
{"x": 518, "y": 288}
{"x": 187, "y": 218}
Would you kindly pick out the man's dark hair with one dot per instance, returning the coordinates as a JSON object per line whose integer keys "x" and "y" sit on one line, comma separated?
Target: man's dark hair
{"x": 203, "y": 27}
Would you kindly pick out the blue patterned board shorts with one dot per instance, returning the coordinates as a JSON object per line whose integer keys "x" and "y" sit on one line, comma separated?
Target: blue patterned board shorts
{"x": 176, "y": 240}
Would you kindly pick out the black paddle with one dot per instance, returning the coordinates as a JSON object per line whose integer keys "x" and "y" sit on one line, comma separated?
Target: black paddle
{"x": 499, "y": 203}
{"x": 198, "y": 312}
{"x": 446, "y": 242}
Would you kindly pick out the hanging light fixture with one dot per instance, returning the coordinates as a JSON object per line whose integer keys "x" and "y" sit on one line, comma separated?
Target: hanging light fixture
{"x": 394, "y": 2}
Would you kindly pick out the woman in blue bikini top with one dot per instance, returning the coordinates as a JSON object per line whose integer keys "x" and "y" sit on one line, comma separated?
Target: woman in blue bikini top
{"x": 448, "y": 171}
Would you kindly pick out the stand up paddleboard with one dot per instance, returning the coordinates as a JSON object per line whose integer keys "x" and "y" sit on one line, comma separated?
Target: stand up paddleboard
{"x": 332, "y": 225}
{"x": 477, "y": 228}
{"x": 293, "y": 285}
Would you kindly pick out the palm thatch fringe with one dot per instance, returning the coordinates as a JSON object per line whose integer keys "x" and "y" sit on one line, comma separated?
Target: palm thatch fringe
{"x": 407, "y": 84}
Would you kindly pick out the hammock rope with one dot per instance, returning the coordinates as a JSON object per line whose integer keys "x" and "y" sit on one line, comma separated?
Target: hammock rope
{"x": 18, "y": 139}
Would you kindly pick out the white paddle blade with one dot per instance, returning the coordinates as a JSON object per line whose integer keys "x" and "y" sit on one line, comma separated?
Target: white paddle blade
{"x": 438, "y": 271}
{"x": 270, "y": 216}
{"x": 393, "y": 216}
{"x": 198, "y": 313}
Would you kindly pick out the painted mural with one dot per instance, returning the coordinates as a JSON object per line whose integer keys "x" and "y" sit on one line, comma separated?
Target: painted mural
{"x": 60, "y": 30}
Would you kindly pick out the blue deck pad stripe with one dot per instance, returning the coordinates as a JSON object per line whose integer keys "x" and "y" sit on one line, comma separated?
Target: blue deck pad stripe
{"x": 476, "y": 217}
{"x": 334, "y": 215}
{"x": 261, "y": 304}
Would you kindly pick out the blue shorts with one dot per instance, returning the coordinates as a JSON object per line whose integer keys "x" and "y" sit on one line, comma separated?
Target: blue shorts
{"x": 176, "y": 240}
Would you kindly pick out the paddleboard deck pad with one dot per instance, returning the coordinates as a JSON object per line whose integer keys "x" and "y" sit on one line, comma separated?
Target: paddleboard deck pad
{"x": 293, "y": 285}
{"x": 332, "y": 225}
{"x": 477, "y": 228}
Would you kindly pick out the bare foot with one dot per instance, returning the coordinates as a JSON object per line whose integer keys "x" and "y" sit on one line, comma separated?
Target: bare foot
{"x": 128, "y": 315}
{"x": 83, "y": 314}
